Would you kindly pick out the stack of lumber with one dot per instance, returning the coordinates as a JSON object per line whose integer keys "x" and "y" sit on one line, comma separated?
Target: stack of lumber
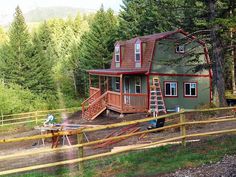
{"x": 124, "y": 131}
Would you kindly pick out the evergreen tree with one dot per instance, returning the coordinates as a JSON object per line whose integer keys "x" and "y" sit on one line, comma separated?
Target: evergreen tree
{"x": 43, "y": 82}
{"x": 142, "y": 17}
{"x": 95, "y": 48}
{"x": 98, "y": 43}
{"x": 16, "y": 54}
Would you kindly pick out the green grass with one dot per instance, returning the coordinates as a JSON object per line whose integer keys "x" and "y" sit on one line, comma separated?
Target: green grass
{"x": 153, "y": 161}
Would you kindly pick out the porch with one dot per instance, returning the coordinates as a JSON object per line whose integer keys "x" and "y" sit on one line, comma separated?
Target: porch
{"x": 124, "y": 92}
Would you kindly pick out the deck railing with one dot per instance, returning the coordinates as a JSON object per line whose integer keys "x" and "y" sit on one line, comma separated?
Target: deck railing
{"x": 114, "y": 99}
{"x": 135, "y": 102}
{"x": 94, "y": 94}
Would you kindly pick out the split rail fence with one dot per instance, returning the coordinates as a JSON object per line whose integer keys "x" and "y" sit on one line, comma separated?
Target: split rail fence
{"x": 181, "y": 122}
{"x": 36, "y": 117}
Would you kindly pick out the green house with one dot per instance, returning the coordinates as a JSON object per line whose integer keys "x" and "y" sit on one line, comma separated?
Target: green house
{"x": 156, "y": 73}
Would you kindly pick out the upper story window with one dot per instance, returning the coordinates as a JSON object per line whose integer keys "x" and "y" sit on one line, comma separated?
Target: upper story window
{"x": 190, "y": 89}
{"x": 180, "y": 49}
{"x": 117, "y": 54}
{"x": 138, "y": 85}
{"x": 138, "y": 52}
{"x": 171, "y": 89}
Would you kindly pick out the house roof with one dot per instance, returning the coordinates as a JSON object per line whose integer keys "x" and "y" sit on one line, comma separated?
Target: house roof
{"x": 127, "y": 49}
{"x": 127, "y": 53}
{"x": 117, "y": 71}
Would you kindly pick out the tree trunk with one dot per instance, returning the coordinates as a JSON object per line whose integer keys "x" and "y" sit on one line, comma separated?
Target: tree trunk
{"x": 217, "y": 55}
{"x": 74, "y": 83}
{"x": 231, "y": 13}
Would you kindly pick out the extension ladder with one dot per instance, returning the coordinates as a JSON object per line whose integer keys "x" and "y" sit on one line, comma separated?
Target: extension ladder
{"x": 157, "y": 104}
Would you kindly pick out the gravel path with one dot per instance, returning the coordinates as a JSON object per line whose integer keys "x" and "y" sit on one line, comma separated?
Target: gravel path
{"x": 224, "y": 168}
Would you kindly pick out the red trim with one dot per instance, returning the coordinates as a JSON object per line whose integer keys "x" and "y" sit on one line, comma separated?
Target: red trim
{"x": 115, "y": 72}
{"x": 153, "y": 51}
{"x": 184, "y": 93}
{"x": 148, "y": 90}
{"x": 183, "y": 75}
{"x": 174, "y": 96}
{"x": 192, "y": 37}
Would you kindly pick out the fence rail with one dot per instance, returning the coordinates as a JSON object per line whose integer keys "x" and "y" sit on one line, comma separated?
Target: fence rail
{"x": 182, "y": 123}
{"x": 29, "y": 117}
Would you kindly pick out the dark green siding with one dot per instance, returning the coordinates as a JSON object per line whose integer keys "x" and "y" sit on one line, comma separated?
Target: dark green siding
{"x": 203, "y": 96}
{"x": 167, "y": 61}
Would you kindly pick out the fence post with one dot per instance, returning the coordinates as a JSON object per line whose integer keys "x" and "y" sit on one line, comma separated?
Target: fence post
{"x": 182, "y": 127}
{"x": 80, "y": 138}
{"x": 2, "y": 117}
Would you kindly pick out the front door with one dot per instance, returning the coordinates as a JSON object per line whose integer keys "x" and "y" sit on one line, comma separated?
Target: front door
{"x": 127, "y": 90}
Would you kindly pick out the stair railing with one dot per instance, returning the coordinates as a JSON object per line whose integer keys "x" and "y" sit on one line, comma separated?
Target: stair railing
{"x": 90, "y": 100}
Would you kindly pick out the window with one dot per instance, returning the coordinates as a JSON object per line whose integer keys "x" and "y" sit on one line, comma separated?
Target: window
{"x": 190, "y": 89}
{"x": 180, "y": 49}
{"x": 117, "y": 84}
{"x": 138, "y": 85}
{"x": 117, "y": 54}
{"x": 138, "y": 52}
{"x": 170, "y": 88}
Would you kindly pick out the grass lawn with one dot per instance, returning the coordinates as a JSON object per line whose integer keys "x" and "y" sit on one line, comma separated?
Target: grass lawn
{"x": 153, "y": 161}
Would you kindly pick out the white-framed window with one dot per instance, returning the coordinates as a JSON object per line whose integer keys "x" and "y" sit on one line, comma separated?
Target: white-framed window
{"x": 180, "y": 49}
{"x": 117, "y": 84}
{"x": 138, "y": 83}
{"x": 171, "y": 88}
{"x": 117, "y": 54}
{"x": 190, "y": 89}
{"x": 137, "y": 52}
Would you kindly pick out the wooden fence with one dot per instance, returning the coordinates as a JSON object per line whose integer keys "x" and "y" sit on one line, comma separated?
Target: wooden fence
{"x": 33, "y": 117}
{"x": 180, "y": 121}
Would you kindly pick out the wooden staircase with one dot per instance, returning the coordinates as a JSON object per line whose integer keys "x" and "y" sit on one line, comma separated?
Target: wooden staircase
{"x": 157, "y": 103}
{"x": 94, "y": 108}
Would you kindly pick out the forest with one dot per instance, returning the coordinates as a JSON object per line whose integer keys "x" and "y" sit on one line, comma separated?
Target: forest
{"x": 44, "y": 66}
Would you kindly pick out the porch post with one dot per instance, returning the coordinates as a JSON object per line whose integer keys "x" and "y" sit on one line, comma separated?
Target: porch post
{"x": 121, "y": 92}
{"x": 90, "y": 82}
{"x": 107, "y": 83}
{"x": 99, "y": 82}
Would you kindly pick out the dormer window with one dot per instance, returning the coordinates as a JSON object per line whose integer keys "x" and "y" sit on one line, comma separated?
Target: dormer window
{"x": 117, "y": 56}
{"x": 180, "y": 49}
{"x": 137, "y": 54}
{"x": 117, "y": 53}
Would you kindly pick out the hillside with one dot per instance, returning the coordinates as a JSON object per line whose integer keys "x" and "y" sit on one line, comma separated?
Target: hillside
{"x": 43, "y": 13}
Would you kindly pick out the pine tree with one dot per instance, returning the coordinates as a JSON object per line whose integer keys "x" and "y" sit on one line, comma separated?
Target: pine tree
{"x": 17, "y": 52}
{"x": 98, "y": 43}
{"x": 95, "y": 48}
{"x": 43, "y": 82}
{"x": 142, "y": 17}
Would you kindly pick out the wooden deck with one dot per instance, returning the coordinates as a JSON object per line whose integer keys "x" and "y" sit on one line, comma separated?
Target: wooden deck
{"x": 131, "y": 102}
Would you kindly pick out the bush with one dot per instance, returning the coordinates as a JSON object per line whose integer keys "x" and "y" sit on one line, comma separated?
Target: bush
{"x": 15, "y": 99}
